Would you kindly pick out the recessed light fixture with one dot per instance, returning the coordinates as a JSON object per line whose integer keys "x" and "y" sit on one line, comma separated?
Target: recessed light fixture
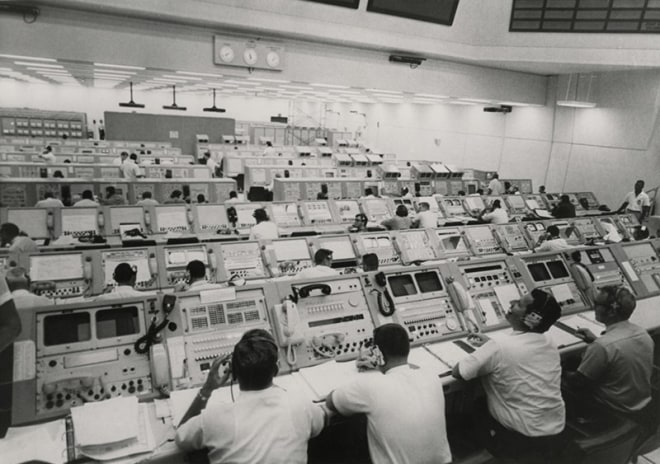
{"x": 188, "y": 73}
{"x": 263, "y": 79}
{"x": 394, "y": 92}
{"x": 32, "y": 58}
{"x": 39, "y": 65}
{"x": 115, "y": 71}
{"x": 119, "y": 66}
{"x": 330, "y": 86}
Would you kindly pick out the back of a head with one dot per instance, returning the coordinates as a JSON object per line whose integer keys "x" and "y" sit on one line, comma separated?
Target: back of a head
{"x": 9, "y": 230}
{"x": 17, "y": 278}
{"x": 553, "y": 231}
{"x": 196, "y": 269}
{"x": 640, "y": 233}
{"x": 321, "y": 255}
{"x": 254, "y": 360}
{"x": 402, "y": 211}
{"x": 260, "y": 215}
{"x": 424, "y": 206}
{"x": 496, "y": 175}
{"x": 564, "y": 199}
{"x": 124, "y": 274}
{"x": 233, "y": 194}
{"x": 146, "y": 195}
{"x": 370, "y": 262}
{"x": 133, "y": 157}
{"x": 576, "y": 256}
{"x": 392, "y": 340}
{"x": 176, "y": 194}
{"x": 619, "y": 298}
{"x": 109, "y": 190}
{"x": 543, "y": 312}
{"x": 201, "y": 198}
{"x": 48, "y": 195}
{"x": 368, "y": 192}
{"x": 87, "y": 195}
{"x": 497, "y": 204}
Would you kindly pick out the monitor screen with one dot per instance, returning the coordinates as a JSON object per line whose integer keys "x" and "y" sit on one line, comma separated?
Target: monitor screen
{"x": 376, "y": 207}
{"x": 117, "y": 322}
{"x": 137, "y": 258}
{"x": 285, "y": 214}
{"x": 291, "y": 250}
{"x": 539, "y": 272}
{"x": 402, "y": 285}
{"x": 31, "y": 221}
{"x": 211, "y": 216}
{"x": 180, "y": 257}
{"x": 639, "y": 251}
{"x": 342, "y": 248}
{"x": 125, "y": 215}
{"x": 79, "y": 220}
{"x": 453, "y": 243}
{"x": 348, "y": 209}
{"x": 516, "y": 201}
{"x": 557, "y": 269}
{"x": 480, "y": 233}
{"x": 56, "y": 267}
{"x": 244, "y": 215}
{"x": 171, "y": 218}
{"x": 434, "y": 11}
{"x": 473, "y": 203}
{"x": 428, "y": 281}
{"x": 62, "y": 329}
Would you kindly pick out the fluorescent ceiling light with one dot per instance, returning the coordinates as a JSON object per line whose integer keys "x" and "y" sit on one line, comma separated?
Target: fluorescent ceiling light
{"x": 263, "y": 79}
{"x": 430, "y": 95}
{"x": 330, "y": 86}
{"x": 184, "y": 78}
{"x": 115, "y": 71}
{"x": 394, "y": 92}
{"x": 230, "y": 81}
{"x": 460, "y": 102}
{"x": 169, "y": 81}
{"x": 576, "y": 104}
{"x": 33, "y": 58}
{"x": 119, "y": 66}
{"x": 477, "y": 100}
{"x": 296, "y": 87}
{"x": 187, "y": 73}
{"x": 40, "y": 65}
{"x": 50, "y": 71}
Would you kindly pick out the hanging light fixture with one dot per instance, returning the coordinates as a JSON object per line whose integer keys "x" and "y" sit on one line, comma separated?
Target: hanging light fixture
{"x": 576, "y": 91}
{"x": 215, "y": 109}
{"x": 174, "y": 106}
{"x": 131, "y": 103}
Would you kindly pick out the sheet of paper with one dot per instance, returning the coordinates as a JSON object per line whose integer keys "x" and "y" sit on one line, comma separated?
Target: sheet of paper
{"x": 44, "y": 442}
{"x": 108, "y": 421}
{"x": 448, "y": 352}
{"x": 561, "y": 338}
{"x": 420, "y": 357}
{"x": 577, "y": 322}
{"x": 506, "y": 294}
{"x": 561, "y": 292}
{"x": 327, "y": 376}
{"x": 25, "y": 360}
{"x": 488, "y": 311}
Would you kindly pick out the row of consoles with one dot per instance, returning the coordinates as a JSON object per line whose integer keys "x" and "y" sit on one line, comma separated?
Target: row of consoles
{"x": 320, "y": 216}
{"x": 87, "y": 351}
{"x": 87, "y": 271}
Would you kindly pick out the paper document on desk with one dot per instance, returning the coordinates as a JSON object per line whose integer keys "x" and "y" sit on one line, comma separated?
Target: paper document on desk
{"x": 327, "y": 376}
{"x": 108, "y": 421}
{"x": 561, "y": 338}
{"x": 448, "y": 352}
{"x": 43, "y": 442}
{"x": 420, "y": 357}
{"x": 578, "y": 322}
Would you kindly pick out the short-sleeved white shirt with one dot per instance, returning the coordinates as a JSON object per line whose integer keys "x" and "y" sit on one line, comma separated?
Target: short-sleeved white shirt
{"x": 427, "y": 219}
{"x": 497, "y": 216}
{"x": 636, "y": 202}
{"x": 405, "y": 410}
{"x": 556, "y": 244}
{"x": 266, "y": 426}
{"x": 264, "y": 230}
{"x": 521, "y": 374}
{"x": 496, "y": 187}
{"x": 317, "y": 271}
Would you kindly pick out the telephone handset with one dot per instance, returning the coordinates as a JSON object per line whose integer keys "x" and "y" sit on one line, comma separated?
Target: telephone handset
{"x": 288, "y": 328}
{"x": 232, "y": 216}
{"x": 101, "y": 220}
{"x": 464, "y": 302}
{"x": 87, "y": 268}
{"x": 147, "y": 220}
{"x": 189, "y": 215}
{"x": 387, "y": 307}
{"x": 153, "y": 265}
{"x": 304, "y": 292}
{"x": 50, "y": 222}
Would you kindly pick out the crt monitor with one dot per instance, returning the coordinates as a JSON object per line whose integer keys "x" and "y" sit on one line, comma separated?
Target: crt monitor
{"x": 211, "y": 218}
{"x": 402, "y": 285}
{"x": 347, "y": 210}
{"x": 171, "y": 218}
{"x": 79, "y": 222}
{"x": 428, "y": 281}
{"x": 342, "y": 250}
{"x": 32, "y": 221}
{"x": 138, "y": 258}
{"x": 124, "y": 215}
{"x": 291, "y": 250}
{"x": 56, "y": 267}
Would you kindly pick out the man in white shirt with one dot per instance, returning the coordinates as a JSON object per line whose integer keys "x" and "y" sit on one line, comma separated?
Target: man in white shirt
{"x": 264, "y": 229}
{"x": 495, "y": 187}
{"x": 48, "y": 156}
{"x": 636, "y": 202}
{"x": 426, "y": 219}
{"x": 210, "y": 163}
{"x": 264, "y": 425}
{"x": 146, "y": 200}
{"x": 121, "y": 160}
{"x": 87, "y": 200}
{"x": 551, "y": 241}
{"x": 19, "y": 285}
{"x": 130, "y": 169}
{"x": 19, "y": 245}
{"x": 497, "y": 214}
{"x": 233, "y": 197}
{"x": 405, "y": 407}
{"x": 125, "y": 276}
{"x": 269, "y": 150}
{"x": 368, "y": 193}
{"x": 322, "y": 268}
{"x": 196, "y": 278}
{"x": 521, "y": 376}
{"x": 49, "y": 201}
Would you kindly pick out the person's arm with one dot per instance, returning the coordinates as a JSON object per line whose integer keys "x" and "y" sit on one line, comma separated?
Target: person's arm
{"x": 480, "y": 362}
{"x": 645, "y": 212}
{"x": 623, "y": 206}
{"x": 10, "y": 323}
{"x": 214, "y": 380}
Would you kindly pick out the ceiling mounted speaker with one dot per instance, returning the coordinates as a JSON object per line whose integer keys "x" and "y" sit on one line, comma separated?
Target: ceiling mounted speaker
{"x": 214, "y": 109}
{"x": 131, "y": 103}
{"x": 576, "y": 91}
{"x": 174, "y": 106}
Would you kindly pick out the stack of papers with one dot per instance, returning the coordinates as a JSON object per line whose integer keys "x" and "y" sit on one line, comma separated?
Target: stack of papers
{"x": 112, "y": 429}
{"x": 43, "y": 442}
{"x": 448, "y": 352}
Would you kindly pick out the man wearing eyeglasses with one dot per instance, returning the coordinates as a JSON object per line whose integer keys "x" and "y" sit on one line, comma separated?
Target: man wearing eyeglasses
{"x": 521, "y": 375}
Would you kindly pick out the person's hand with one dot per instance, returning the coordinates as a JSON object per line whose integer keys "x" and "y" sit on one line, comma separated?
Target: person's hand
{"x": 218, "y": 374}
{"x": 585, "y": 335}
{"x": 366, "y": 359}
{"x": 477, "y": 339}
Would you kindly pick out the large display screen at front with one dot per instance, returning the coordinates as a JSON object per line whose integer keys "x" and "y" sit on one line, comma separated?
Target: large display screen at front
{"x": 434, "y": 11}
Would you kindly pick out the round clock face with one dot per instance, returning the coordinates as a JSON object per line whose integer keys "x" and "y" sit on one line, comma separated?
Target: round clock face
{"x": 250, "y": 56}
{"x": 273, "y": 59}
{"x": 227, "y": 54}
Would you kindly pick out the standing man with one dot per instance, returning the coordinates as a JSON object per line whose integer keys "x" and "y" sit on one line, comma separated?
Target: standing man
{"x": 211, "y": 163}
{"x": 564, "y": 209}
{"x": 495, "y": 187}
{"x": 636, "y": 202}
{"x": 121, "y": 160}
{"x": 47, "y": 155}
{"x": 405, "y": 407}
{"x": 521, "y": 375}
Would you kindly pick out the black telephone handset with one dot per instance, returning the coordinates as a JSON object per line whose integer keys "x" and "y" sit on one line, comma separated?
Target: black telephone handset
{"x": 232, "y": 215}
{"x": 304, "y": 292}
{"x": 387, "y": 307}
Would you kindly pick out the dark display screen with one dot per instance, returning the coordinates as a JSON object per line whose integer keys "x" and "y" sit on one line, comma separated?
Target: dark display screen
{"x": 428, "y": 282}
{"x": 402, "y": 285}
{"x": 434, "y": 11}
{"x": 62, "y": 329}
{"x": 116, "y": 322}
{"x": 539, "y": 272}
{"x": 557, "y": 269}
{"x": 345, "y": 3}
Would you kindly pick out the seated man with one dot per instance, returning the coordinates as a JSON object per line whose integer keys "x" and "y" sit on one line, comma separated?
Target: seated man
{"x": 564, "y": 209}
{"x": 359, "y": 224}
{"x": 400, "y": 221}
{"x": 322, "y": 267}
{"x": 196, "y": 279}
{"x": 617, "y": 365}
{"x": 551, "y": 241}
{"x": 265, "y": 424}
{"x": 521, "y": 375}
{"x": 405, "y": 407}
{"x": 19, "y": 245}
{"x": 125, "y": 276}
{"x": 19, "y": 285}
{"x": 495, "y": 214}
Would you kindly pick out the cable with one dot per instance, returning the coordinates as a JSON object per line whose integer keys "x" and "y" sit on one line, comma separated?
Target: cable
{"x": 143, "y": 343}
{"x": 291, "y": 356}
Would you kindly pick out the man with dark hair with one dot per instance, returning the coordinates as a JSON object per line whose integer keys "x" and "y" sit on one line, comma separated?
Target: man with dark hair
{"x": 369, "y": 193}
{"x": 616, "y": 367}
{"x": 426, "y": 219}
{"x": 551, "y": 241}
{"x": 495, "y": 214}
{"x": 495, "y": 187}
{"x": 87, "y": 200}
{"x": 359, "y": 224}
{"x": 10, "y": 236}
{"x": 265, "y": 424}
{"x": 264, "y": 229}
{"x": 233, "y": 197}
{"x": 121, "y": 160}
{"x": 49, "y": 201}
{"x": 521, "y": 375}
{"x": 196, "y": 278}
{"x": 112, "y": 198}
{"x": 370, "y": 262}
{"x": 399, "y": 221}
{"x": 175, "y": 197}
{"x": 147, "y": 199}
{"x": 130, "y": 169}
{"x": 636, "y": 202}
{"x": 564, "y": 209}
{"x": 405, "y": 407}
{"x": 124, "y": 276}
{"x": 322, "y": 266}
{"x": 18, "y": 282}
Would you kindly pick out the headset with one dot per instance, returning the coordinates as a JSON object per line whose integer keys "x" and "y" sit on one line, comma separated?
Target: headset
{"x": 250, "y": 337}
{"x": 615, "y": 295}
